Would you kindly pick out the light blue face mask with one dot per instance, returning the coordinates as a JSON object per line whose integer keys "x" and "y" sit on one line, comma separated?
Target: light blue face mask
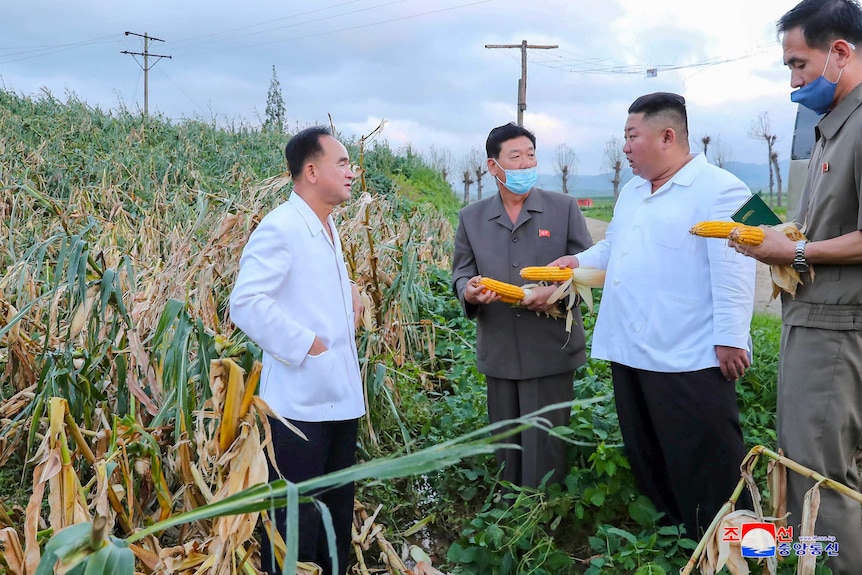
{"x": 819, "y": 94}
{"x": 519, "y": 181}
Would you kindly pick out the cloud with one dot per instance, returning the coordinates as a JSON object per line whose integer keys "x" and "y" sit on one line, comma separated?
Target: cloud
{"x": 421, "y": 66}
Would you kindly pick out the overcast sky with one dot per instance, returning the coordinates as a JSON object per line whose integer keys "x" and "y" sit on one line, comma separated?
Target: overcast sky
{"x": 421, "y": 65}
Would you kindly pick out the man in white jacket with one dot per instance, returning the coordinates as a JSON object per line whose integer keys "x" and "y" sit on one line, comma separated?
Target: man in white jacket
{"x": 294, "y": 299}
{"x": 674, "y": 317}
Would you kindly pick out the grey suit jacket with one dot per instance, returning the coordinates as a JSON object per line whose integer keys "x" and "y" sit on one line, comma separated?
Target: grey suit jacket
{"x": 516, "y": 343}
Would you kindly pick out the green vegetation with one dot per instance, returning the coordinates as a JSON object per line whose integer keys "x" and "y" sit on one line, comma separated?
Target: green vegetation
{"x": 121, "y": 239}
{"x": 602, "y": 209}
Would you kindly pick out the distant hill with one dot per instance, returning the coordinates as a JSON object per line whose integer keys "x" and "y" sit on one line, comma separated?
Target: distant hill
{"x": 755, "y": 176}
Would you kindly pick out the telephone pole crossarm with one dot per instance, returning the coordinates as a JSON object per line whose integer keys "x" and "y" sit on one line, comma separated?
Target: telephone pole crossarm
{"x": 522, "y": 83}
{"x": 146, "y": 67}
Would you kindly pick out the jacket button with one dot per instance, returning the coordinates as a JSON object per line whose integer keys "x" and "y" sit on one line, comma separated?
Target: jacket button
{"x": 514, "y": 264}
{"x": 515, "y": 239}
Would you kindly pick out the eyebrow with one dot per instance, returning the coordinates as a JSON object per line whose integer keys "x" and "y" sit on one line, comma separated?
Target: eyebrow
{"x": 794, "y": 60}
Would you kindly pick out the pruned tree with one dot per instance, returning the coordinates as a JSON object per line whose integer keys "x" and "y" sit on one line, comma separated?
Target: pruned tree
{"x": 761, "y": 129}
{"x": 567, "y": 165}
{"x": 721, "y": 153}
{"x": 705, "y": 141}
{"x": 774, "y": 159}
{"x": 613, "y": 161}
{"x": 275, "y": 110}
{"x": 440, "y": 159}
{"x": 478, "y": 164}
{"x": 467, "y": 178}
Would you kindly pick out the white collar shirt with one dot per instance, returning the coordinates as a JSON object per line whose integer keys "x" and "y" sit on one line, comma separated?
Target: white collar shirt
{"x": 293, "y": 285}
{"x": 670, "y": 297}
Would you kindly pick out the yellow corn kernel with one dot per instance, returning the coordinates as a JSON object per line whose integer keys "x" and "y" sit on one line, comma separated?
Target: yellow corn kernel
{"x": 747, "y": 235}
{"x": 508, "y": 293}
{"x": 713, "y": 229}
{"x": 546, "y": 273}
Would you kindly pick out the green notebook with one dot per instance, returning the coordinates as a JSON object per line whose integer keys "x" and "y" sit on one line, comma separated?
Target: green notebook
{"x": 755, "y": 212}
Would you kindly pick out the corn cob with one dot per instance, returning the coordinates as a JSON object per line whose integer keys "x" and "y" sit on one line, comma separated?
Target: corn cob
{"x": 508, "y": 293}
{"x": 546, "y": 273}
{"x": 747, "y": 235}
{"x": 739, "y": 233}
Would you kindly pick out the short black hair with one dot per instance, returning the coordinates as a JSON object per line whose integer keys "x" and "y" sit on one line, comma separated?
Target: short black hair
{"x": 667, "y": 104}
{"x": 824, "y": 21}
{"x": 304, "y": 146}
{"x": 501, "y": 134}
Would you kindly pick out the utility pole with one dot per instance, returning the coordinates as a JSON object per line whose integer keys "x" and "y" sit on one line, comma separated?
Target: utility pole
{"x": 522, "y": 83}
{"x": 146, "y": 67}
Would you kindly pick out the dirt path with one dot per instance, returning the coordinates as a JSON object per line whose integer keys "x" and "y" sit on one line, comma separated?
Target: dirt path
{"x": 762, "y": 287}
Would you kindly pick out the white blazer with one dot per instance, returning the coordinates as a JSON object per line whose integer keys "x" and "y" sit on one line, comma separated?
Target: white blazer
{"x": 293, "y": 285}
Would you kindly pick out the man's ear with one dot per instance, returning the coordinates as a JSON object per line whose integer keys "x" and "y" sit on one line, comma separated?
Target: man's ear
{"x": 843, "y": 50}
{"x": 492, "y": 167}
{"x": 309, "y": 172}
{"x": 669, "y": 136}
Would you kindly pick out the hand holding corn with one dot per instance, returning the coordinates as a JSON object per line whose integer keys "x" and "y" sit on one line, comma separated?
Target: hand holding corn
{"x": 773, "y": 245}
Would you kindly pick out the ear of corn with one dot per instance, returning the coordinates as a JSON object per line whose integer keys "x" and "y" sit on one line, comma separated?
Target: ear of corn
{"x": 546, "y": 273}
{"x": 739, "y": 233}
{"x": 747, "y": 235}
{"x": 508, "y": 293}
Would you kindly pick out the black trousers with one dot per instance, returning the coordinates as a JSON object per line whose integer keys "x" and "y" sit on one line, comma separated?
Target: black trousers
{"x": 683, "y": 441}
{"x": 331, "y": 446}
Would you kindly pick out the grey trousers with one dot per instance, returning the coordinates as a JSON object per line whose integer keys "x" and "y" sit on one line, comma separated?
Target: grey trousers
{"x": 820, "y": 426}
{"x": 540, "y": 452}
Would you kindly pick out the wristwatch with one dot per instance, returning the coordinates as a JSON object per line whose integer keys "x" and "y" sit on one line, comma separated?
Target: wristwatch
{"x": 799, "y": 262}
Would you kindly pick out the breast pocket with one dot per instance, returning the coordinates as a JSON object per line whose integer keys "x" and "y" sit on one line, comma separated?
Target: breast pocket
{"x": 670, "y": 227}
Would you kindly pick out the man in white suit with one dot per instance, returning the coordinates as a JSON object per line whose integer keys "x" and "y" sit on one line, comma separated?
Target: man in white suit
{"x": 294, "y": 299}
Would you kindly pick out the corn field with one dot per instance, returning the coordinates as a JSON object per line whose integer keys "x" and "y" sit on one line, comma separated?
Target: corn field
{"x": 127, "y": 394}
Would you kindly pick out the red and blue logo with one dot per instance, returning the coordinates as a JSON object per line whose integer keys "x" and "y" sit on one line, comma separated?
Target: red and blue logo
{"x": 758, "y": 540}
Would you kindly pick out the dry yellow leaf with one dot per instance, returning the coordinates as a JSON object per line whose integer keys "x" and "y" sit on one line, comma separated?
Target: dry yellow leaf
{"x": 810, "y": 508}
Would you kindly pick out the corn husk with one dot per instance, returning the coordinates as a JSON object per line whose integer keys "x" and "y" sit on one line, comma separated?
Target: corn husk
{"x": 784, "y": 277}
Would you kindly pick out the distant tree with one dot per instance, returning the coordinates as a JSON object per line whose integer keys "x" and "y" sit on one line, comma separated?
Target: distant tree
{"x": 467, "y": 178}
{"x": 567, "y": 165}
{"x": 774, "y": 159}
{"x": 478, "y": 164}
{"x": 275, "y": 110}
{"x": 721, "y": 153}
{"x": 761, "y": 129}
{"x": 441, "y": 160}
{"x": 613, "y": 161}
{"x": 705, "y": 141}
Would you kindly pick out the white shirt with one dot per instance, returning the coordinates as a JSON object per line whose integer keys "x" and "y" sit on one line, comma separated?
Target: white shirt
{"x": 670, "y": 297}
{"x": 293, "y": 285}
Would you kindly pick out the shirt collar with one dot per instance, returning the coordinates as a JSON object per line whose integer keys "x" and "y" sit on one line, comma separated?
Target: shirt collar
{"x": 684, "y": 177}
{"x": 832, "y": 122}
{"x": 315, "y": 226}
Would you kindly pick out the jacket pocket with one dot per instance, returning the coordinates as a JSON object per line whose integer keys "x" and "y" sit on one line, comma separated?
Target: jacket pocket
{"x": 319, "y": 379}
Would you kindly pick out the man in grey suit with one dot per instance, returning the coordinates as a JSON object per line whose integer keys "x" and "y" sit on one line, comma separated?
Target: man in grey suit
{"x": 527, "y": 357}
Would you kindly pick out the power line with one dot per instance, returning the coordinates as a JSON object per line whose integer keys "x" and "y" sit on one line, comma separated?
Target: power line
{"x": 191, "y": 41}
{"x": 649, "y": 69}
{"x": 48, "y": 49}
{"x": 359, "y": 26}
